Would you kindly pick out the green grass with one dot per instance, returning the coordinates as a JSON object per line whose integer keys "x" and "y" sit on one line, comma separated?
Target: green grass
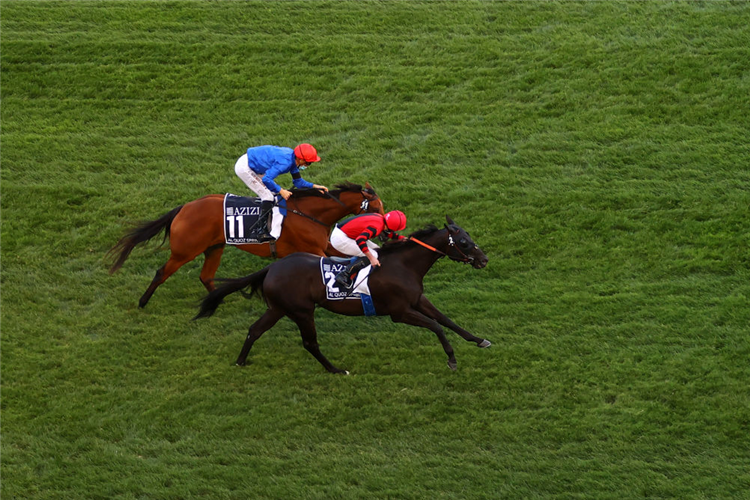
{"x": 597, "y": 151}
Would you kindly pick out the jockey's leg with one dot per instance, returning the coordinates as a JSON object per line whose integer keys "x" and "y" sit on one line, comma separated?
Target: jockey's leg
{"x": 344, "y": 244}
{"x": 264, "y": 221}
{"x": 255, "y": 184}
{"x": 345, "y": 279}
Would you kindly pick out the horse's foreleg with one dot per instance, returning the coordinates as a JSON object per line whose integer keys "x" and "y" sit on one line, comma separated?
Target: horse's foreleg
{"x": 306, "y": 324}
{"x": 211, "y": 265}
{"x": 264, "y": 323}
{"x": 164, "y": 272}
{"x": 416, "y": 318}
{"x": 427, "y": 308}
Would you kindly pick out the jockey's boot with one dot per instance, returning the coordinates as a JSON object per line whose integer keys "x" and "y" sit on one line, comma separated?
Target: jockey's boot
{"x": 264, "y": 221}
{"x": 345, "y": 279}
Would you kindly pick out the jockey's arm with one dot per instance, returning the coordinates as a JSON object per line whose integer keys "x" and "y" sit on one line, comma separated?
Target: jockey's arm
{"x": 374, "y": 262}
{"x": 362, "y": 240}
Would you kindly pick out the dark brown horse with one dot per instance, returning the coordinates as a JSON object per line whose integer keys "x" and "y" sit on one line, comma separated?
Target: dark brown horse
{"x": 293, "y": 286}
{"x": 198, "y": 228}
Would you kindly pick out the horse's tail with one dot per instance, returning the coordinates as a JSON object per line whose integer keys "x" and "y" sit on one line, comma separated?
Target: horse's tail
{"x": 141, "y": 234}
{"x": 214, "y": 299}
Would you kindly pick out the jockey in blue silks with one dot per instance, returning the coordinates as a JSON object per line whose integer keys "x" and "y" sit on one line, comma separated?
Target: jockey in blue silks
{"x": 262, "y": 164}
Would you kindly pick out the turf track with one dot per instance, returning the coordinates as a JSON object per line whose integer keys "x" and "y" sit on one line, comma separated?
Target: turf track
{"x": 597, "y": 151}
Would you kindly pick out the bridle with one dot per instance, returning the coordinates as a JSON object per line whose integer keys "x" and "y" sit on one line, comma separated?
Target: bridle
{"x": 365, "y": 205}
{"x": 362, "y": 206}
{"x": 465, "y": 258}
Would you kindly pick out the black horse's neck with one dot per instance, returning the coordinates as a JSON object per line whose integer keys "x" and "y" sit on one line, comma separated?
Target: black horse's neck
{"x": 421, "y": 257}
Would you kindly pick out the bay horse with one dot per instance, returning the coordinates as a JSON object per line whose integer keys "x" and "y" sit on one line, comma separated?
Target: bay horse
{"x": 293, "y": 286}
{"x": 197, "y": 228}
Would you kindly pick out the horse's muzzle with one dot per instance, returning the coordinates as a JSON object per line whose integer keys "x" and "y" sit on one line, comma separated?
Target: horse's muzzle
{"x": 477, "y": 261}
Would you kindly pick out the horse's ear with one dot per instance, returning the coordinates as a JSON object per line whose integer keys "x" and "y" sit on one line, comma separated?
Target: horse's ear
{"x": 367, "y": 185}
{"x": 451, "y": 226}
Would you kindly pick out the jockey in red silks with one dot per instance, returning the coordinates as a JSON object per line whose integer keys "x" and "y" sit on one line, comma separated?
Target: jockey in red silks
{"x": 262, "y": 164}
{"x": 354, "y": 237}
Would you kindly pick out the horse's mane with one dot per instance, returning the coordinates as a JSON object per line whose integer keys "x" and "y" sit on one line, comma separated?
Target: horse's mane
{"x": 395, "y": 245}
{"x": 340, "y": 188}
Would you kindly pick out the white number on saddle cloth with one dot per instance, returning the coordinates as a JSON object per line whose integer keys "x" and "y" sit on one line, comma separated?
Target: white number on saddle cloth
{"x": 329, "y": 278}
{"x": 239, "y": 224}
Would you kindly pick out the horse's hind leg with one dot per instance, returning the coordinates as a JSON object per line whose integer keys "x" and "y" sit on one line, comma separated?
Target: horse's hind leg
{"x": 264, "y": 323}
{"x": 164, "y": 272}
{"x": 211, "y": 265}
{"x": 306, "y": 323}
{"x": 427, "y": 308}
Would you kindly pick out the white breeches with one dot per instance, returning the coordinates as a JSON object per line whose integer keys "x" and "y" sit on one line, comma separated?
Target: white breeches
{"x": 252, "y": 180}
{"x": 344, "y": 244}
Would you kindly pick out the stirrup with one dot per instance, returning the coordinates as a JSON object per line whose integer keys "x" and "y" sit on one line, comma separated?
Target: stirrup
{"x": 265, "y": 237}
{"x": 344, "y": 281}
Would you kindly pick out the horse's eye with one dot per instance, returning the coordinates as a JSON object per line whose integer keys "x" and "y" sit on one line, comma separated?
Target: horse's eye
{"x": 463, "y": 243}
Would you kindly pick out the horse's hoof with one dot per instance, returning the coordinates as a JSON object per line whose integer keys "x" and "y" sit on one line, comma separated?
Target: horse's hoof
{"x": 452, "y": 365}
{"x": 484, "y": 344}
{"x": 241, "y": 363}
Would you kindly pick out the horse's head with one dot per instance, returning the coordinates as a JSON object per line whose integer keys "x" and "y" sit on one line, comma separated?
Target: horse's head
{"x": 462, "y": 248}
{"x": 360, "y": 199}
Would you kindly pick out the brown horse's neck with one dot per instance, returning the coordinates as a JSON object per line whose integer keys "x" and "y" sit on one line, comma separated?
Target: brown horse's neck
{"x": 327, "y": 210}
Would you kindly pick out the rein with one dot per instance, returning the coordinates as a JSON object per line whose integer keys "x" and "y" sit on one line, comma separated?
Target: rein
{"x": 334, "y": 198}
{"x": 302, "y": 214}
{"x": 428, "y": 247}
{"x": 466, "y": 258}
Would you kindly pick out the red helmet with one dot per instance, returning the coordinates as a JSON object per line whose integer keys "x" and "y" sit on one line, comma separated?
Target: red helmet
{"x": 395, "y": 220}
{"x": 307, "y": 153}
